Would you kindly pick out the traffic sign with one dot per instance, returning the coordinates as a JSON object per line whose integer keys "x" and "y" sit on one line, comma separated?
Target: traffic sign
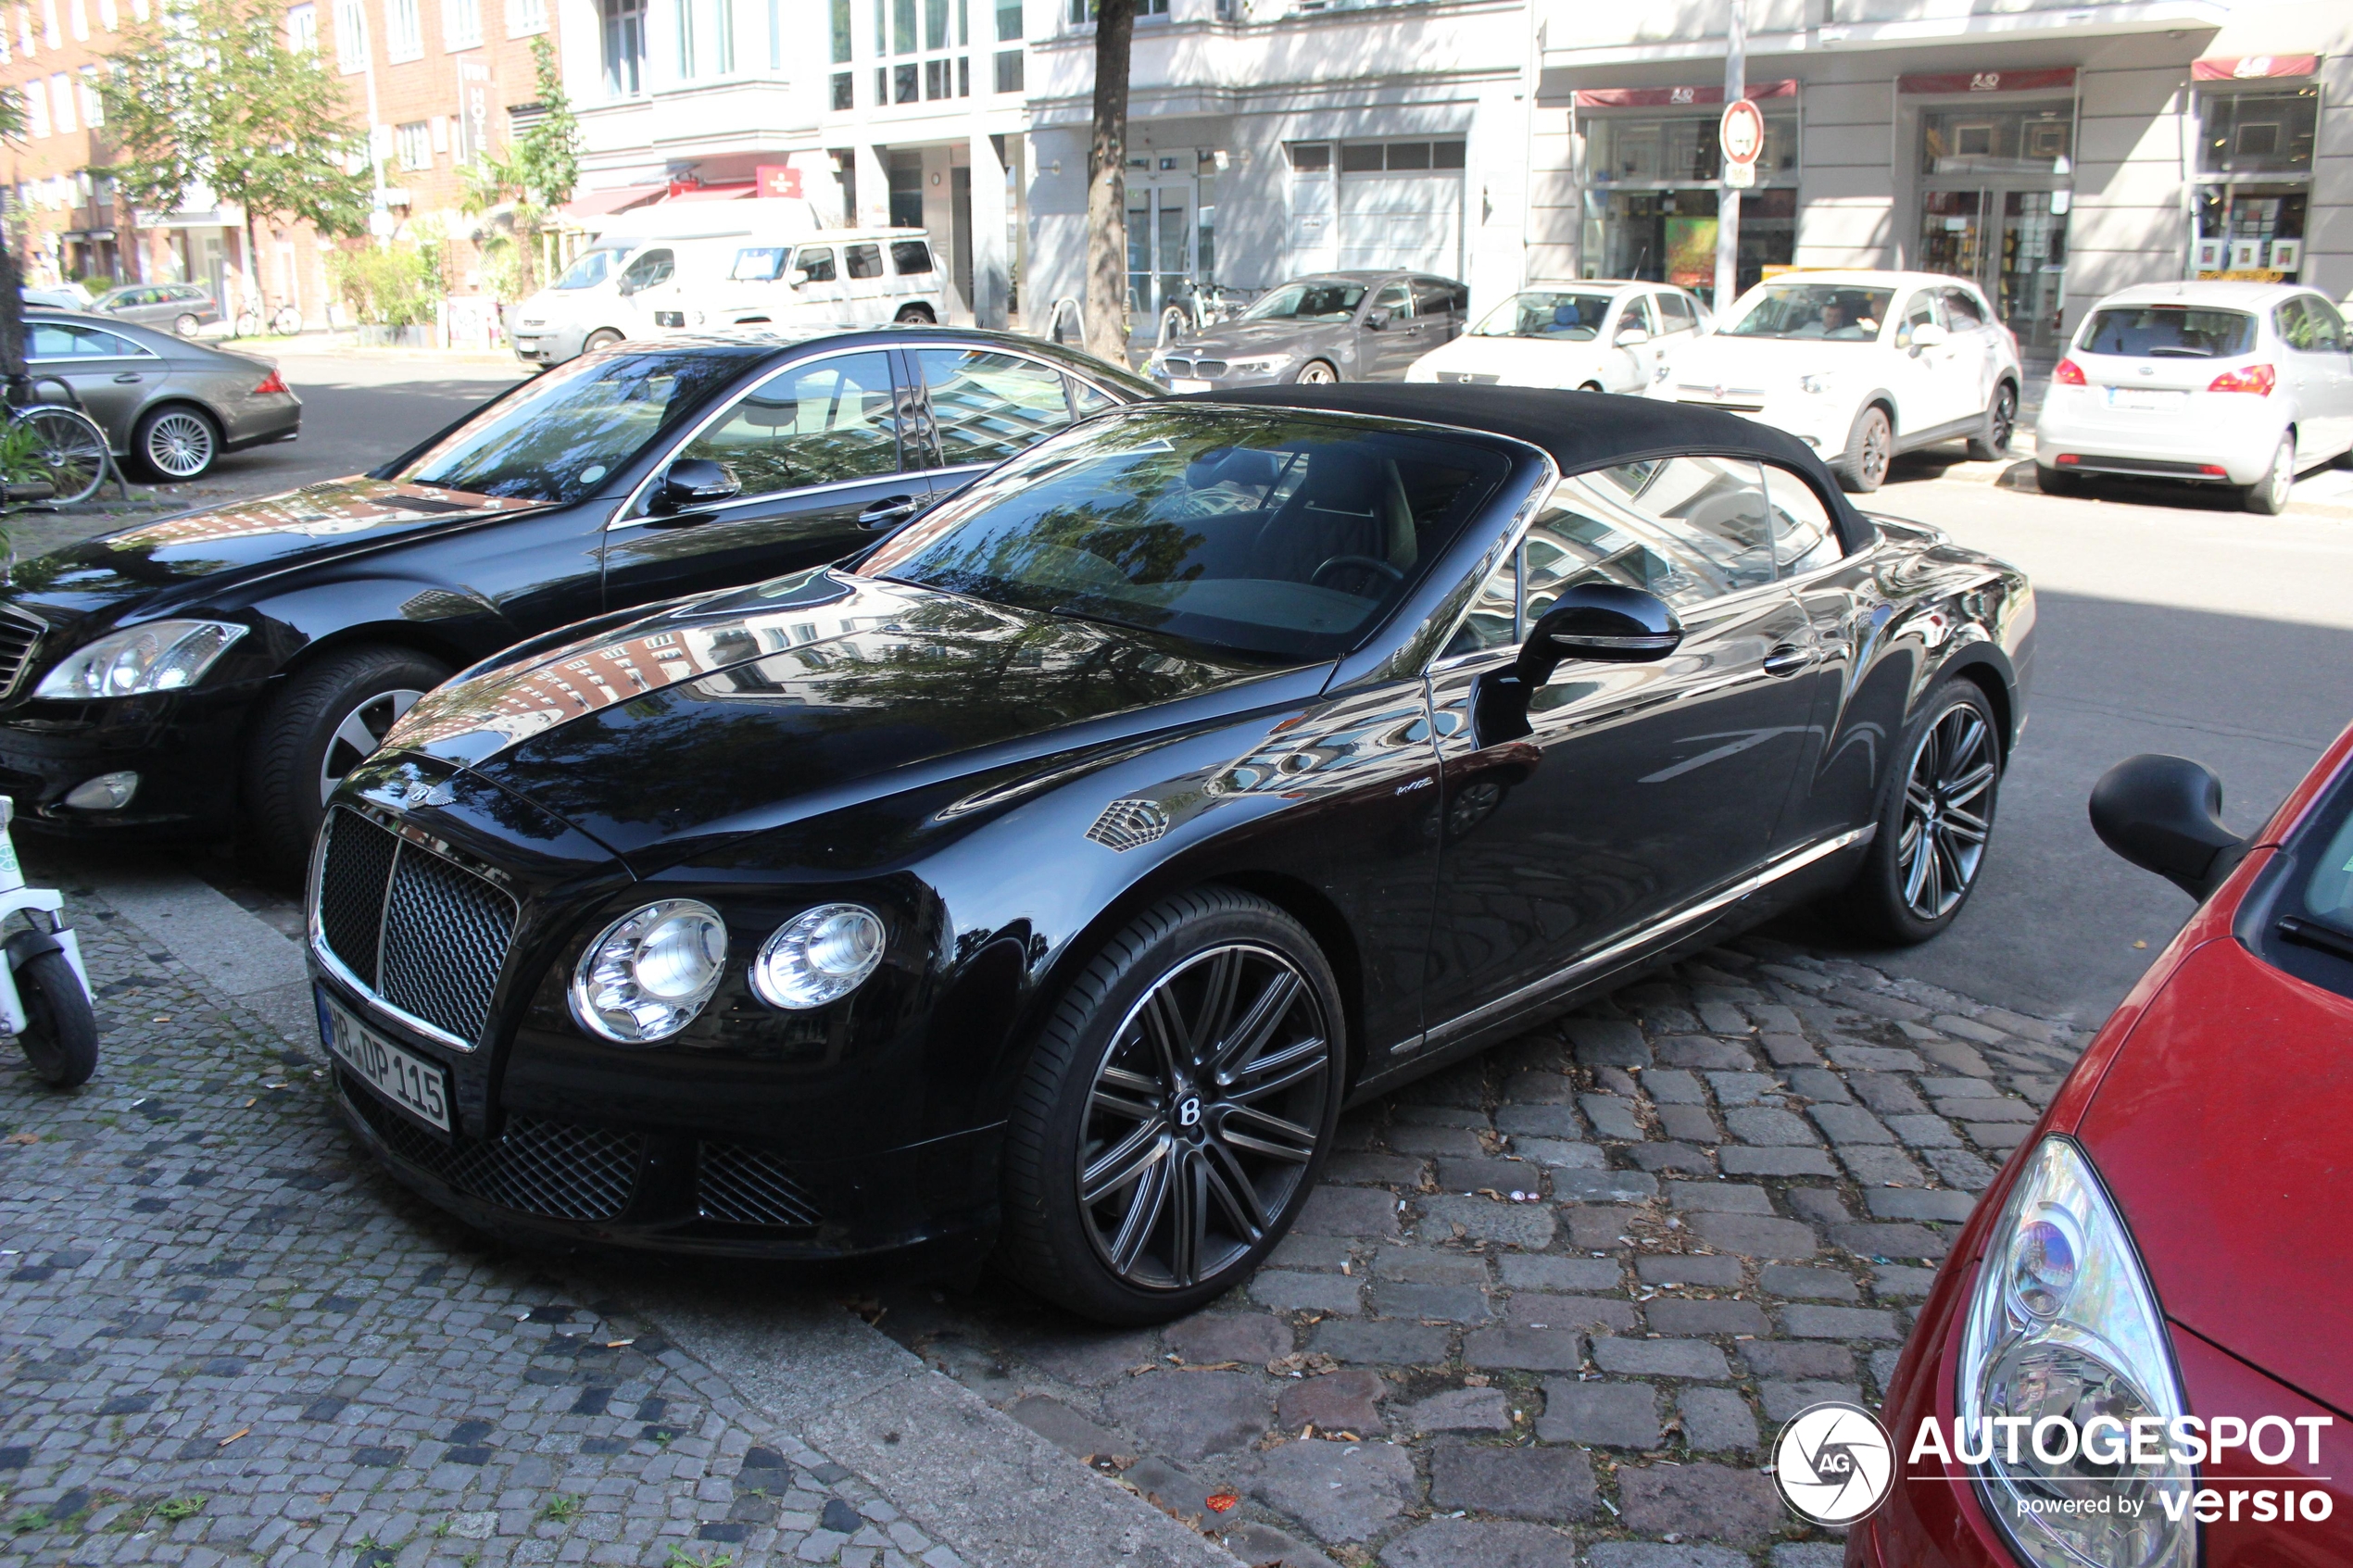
{"x": 1741, "y": 134}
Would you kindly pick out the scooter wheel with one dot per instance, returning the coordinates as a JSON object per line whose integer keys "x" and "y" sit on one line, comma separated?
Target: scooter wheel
{"x": 60, "y": 1032}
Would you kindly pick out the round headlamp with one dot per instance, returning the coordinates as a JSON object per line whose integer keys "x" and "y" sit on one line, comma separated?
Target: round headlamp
{"x": 649, "y": 972}
{"x": 819, "y": 956}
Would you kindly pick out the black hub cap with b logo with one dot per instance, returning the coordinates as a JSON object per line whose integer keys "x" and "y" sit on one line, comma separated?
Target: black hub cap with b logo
{"x": 1204, "y": 1114}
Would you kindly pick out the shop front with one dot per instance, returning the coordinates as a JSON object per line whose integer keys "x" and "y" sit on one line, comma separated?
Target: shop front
{"x": 1996, "y": 173}
{"x": 2255, "y": 120}
{"x": 1650, "y": 175}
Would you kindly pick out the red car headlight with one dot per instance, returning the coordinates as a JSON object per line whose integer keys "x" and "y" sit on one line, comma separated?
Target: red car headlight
{"x": 2063, "y": 1352}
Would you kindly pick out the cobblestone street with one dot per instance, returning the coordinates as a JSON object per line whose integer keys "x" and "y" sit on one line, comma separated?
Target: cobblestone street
{"x": 1547, "y": 1308}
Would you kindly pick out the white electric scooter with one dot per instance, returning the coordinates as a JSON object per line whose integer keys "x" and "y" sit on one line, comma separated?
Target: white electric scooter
{"x": 44, "y": 992}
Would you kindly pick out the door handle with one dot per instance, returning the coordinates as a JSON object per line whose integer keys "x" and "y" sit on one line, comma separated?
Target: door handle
{"x": 882, "y": 514}
{"x": 130, "y": 376}
{"x": 1788, "y": 659}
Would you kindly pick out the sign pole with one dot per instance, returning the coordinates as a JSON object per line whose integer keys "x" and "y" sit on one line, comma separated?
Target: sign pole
{"x": 1727, "y": 198}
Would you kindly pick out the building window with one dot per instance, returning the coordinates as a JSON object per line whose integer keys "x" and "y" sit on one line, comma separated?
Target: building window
{"x": 107, "y": 17}
{"x": 414, "y": 141}
{"x": 845, "y": 92}
{"x": 525, "y": 17}
{"x": 1008, "y": 21}
{"x": 902, "y": 84}
{"x": 461, "y": 24}
{"x": 94, "y": 108}
{"x": 624, "y": 48}
{"x": 2255, "y": 182}
{"x": 1651, "y": 198}
{"x": 906, "y": 200}
{"x": 1009, "y": 71}
{"x": 61, "y": 102}
{"x": 2257, "y": 133}
{"x": 936, "y": 79}
{"x": 36, "y": 107}
{"x": 351, "y": 37}
{"x": 1081, "y": 12}
{"x": 706, "y": 38}
{"x": 404, "y": 31}
{"x": 79, "y": 12}
{"x": 1989, "y": 141}
{"x": 841, "y": 31}
{"x": 302, "y": 28}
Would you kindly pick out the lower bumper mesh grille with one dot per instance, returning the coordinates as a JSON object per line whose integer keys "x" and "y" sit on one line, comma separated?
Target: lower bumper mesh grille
{"x": 556, "y": 1169}
{"x": 750, "y": 1187}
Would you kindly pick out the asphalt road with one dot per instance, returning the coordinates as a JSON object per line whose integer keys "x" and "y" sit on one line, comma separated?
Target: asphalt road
{"x": 356, "y": 413}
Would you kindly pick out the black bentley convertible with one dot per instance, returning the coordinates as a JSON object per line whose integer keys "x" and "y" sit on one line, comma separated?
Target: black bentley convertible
{"x": 1050, "y": 875}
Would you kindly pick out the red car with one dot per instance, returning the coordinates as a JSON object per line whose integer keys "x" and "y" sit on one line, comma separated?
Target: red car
{"x": 2167, "y": 1260}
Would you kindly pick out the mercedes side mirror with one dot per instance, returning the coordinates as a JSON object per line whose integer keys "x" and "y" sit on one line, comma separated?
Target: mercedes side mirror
{"x": 1928, "y": 335}
{"x": 1601, "y": 621}
{"x": 2165, "y": 815}
{"x": 1376, "y": 318}
{"x": 694, "y": 481}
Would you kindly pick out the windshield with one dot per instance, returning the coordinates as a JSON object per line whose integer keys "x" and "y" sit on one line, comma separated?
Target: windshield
{"x": 1278, "y": 534}
{"x": 1563, "y": 317}
{"x": 2169, "y": 331}
{"x": 1840, "y": 313}
{"x": 561, "y": 434}
{"x": 1310, "y": 299}
{"x": 759, "y": 264}
{"x": 589, "y": 270}
{"x": 2307, "y": 921}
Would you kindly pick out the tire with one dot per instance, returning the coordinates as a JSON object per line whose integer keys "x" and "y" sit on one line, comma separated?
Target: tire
{"x": 187, "y": 324}
{"x": 1238, "y": 1167}
{"x": 2001, "y": 425}
{"x": 2057, "y": 482}
{"x": 1862, "y": 468}
{"x": 60, "y": 1035}
{"x": 1950, "y": 759}
{"x": 74, "y": 452}
{"x": 176, "y": 443}
{"x": 603, "y": 337}
{"x": 1593, "y": 386}
{"x": 1317, "y": 372}
{"x": 916, "y": 315}
{"x": 248, "y": 323}
{"x": 2268, "y": 495}
{"x": 287, "y": 321}
{"x": 310, "y": 735}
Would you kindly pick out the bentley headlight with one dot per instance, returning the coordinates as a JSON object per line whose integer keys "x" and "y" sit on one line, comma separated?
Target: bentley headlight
{"x": 2064, "y": 1349}
{"x": 820, "y": 957}
{"x": 647, "y": 974}
{"x": 161, "y": 656}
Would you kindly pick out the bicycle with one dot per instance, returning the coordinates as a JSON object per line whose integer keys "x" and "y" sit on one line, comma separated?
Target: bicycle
{"x": 69, "y": 448}
{"x": 285, "y": 321}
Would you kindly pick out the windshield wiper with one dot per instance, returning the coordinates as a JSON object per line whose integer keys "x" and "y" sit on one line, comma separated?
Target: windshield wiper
{"x": 2316, "y": 933}
{"x": 2184, "y": 353}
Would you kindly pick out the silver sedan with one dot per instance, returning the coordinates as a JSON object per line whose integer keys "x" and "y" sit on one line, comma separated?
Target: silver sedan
{"x": 170, "y": 408}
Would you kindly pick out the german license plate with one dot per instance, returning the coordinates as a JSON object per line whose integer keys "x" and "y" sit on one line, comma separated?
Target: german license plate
{"x": 2145, "y": 400}
{"x": 418, "y": 1086}
{"x": 1187, "y": 383}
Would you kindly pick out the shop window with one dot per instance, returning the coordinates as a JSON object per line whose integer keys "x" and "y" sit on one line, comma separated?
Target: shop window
{"x": 2257, "y": 133}
{"x": 1677, "y": 149}
{"x": 1980, "y": 140}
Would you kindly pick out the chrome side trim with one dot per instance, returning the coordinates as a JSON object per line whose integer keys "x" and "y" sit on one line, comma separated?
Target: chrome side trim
{"x": 1632, "y": 945}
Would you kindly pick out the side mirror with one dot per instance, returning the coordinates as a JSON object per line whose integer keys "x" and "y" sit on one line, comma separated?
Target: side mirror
{"x": 1632, "y": 337}
{"x": 2164, "y": 815}
{"x": 1376, "y": 319}
{"x": 694, "y": 481}
{"x": 1928, "y": 335}
{"x": 1601, "y": 621}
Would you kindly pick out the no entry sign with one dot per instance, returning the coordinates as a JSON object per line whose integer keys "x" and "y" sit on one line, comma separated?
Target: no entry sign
{"x": 1741, "y": 134}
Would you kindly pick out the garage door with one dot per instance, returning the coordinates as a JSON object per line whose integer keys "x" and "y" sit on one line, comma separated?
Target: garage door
{"x": 1401, "y": 206}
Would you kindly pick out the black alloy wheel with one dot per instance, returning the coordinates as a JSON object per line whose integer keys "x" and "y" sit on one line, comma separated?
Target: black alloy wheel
{"x": 2001, "y": 426}
{"x": 1176, "y": 1112}
{"x": 325, "y": 722}
{"x": 1863, "y": 466}
{"x": 1935, "y": 820}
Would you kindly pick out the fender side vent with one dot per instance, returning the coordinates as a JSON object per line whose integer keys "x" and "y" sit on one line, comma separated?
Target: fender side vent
{"x": 1129, "y": 825}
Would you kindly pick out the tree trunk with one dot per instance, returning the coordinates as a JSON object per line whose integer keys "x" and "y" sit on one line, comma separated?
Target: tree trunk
{"x": 1107, "y": 185}
{"x": 12, "y": 365}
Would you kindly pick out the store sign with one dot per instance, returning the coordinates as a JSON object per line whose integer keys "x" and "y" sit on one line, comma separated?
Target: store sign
{"x": 1674, "y": 97}
{"x": 1934, "y": 84}
{"x": 2255, "y": 68}
{"x": 775, "y": 180}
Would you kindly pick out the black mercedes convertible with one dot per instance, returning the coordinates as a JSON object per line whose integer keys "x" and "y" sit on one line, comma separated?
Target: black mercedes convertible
{"x": 1048, "y": 877}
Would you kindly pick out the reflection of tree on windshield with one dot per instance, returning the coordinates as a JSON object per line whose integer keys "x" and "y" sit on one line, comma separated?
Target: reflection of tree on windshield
{"x": 1327, "y": 299}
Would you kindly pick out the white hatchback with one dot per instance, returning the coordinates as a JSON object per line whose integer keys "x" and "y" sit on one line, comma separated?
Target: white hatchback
{"x": 1860, "y": 366}
{"x": 1592, "y": 336}
{"x": 2212, "y": 383}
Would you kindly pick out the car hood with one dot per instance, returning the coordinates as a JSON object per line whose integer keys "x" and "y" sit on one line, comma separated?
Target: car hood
{"x": 1769, "y": 362}
{"x": 1523, "y": 361}
{"x": 736, "y": 714}
{"x": 1236, "y": 339}
{"x": 2220, "y": 1131}
{"x": 167, "y": 556}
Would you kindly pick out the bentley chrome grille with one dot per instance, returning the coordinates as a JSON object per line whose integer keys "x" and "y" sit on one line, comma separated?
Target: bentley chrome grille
{"x": 417, "y": 931}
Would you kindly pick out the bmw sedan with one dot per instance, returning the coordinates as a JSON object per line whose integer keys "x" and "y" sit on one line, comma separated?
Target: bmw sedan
{"x": 224, "y": 669}
{"x": 1051, "y": 875}
{"x": 1330, "y": 327}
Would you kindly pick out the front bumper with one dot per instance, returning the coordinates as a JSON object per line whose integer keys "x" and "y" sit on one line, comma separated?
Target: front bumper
{"x": 185, "y": 747}
{"x": 545, "y": 346}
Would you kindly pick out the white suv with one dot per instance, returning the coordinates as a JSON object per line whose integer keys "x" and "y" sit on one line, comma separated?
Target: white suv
{"x": 1860, "y": 366}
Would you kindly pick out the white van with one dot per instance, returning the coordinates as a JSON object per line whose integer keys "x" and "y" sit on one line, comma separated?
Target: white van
{"x": 587, "y": 307}
{"x": 834, "y": 277}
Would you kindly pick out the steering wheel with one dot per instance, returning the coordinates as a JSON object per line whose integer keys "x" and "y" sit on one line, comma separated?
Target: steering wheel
{"x": 1316, "y": 576}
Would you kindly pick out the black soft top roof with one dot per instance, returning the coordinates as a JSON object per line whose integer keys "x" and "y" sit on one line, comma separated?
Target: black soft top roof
{"x": 1581, "y": 429}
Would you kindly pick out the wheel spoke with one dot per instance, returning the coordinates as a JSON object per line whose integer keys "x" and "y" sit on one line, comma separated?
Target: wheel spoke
{"x": 1142, "y": 1217}
{"x": 1961, "y": 825}
{"x": 1292, "y": 1065}
{"x": 1235, "y": 1193}
{"x": 1217, "y": 1006}
{"x": 1915, "y": 859}
{"x": 1264, "y": 1133}
{"x": 355, "y": 733}
{"x": 1146, "y": 1144}
{"x": 1188, "y": 1215}
{"x": 1967, "y": 787}
{"x": 1258, "y": 1026}
{"x": 1127, "y": 1094}
{"x": 1163, "y": 1030}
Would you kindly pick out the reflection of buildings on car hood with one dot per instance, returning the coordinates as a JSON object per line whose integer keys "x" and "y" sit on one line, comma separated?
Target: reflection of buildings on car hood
{"x": 319, "y": 511}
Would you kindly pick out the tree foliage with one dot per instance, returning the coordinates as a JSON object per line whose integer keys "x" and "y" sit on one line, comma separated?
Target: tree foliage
{"x": 207, "y": 94}
{"x": 537, "y": 173}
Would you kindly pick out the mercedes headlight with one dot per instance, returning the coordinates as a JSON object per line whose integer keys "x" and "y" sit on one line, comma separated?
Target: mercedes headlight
{"x": 820, "y": 957}
{"x": 2065, "y": 1339}
{"x": 649, "y": 972}
{"x": 1264, "y": 365}
{"x": 161, "y": 656}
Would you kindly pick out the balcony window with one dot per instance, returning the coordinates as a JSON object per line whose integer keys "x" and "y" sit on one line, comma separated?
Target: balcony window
{"x": 624, "y": 48}
{"x": 903, "y": 30}
{"x": 1008, "y": 77}
{"x": 706, "y": 39}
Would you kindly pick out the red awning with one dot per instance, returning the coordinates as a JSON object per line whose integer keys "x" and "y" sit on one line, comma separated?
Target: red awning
{"x": 1674, "y": 97}
{"x": 714, "y": 193}
{"x": 600, "y": 204}
{"x": 1934, "y": 82}
{"x": 2253, "y": 66}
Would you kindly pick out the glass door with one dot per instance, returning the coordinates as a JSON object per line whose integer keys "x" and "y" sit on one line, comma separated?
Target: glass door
{"x": 1159, "y": 248}
{"x": 2029, "y": 283}
{"x": 1953, "y": 232}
